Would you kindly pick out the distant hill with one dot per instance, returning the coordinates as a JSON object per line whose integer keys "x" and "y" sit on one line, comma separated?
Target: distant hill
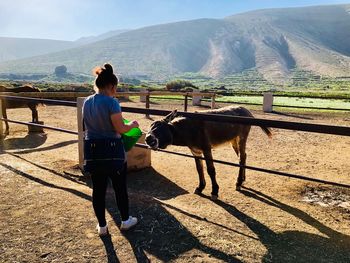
{"x": 18, "y": 48}
{"x": 92, "y": 39}
{"x": 274, "y": 42}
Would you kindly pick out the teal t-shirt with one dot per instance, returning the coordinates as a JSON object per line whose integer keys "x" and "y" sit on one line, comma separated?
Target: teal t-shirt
{"x": 97, "y": 111}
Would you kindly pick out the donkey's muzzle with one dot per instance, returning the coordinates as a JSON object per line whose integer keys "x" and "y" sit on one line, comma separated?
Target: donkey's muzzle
{"x": 151, "y": 141}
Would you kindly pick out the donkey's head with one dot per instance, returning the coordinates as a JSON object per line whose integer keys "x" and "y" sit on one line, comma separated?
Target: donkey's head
{"x": 160, "y": 134}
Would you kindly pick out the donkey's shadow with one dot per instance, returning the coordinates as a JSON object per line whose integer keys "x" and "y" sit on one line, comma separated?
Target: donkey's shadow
{"x": 159, "y": 233}
{"x": 294, "y": 246}
{"x": 30, "y": 141}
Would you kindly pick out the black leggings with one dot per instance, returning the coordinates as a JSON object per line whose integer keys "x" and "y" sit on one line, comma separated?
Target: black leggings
{"x": 99, "y": 187}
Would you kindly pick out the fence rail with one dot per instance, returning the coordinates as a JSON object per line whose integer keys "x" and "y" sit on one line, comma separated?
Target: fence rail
{"x": 328, "y": 129}
{"x": 276, "y": 94}
{"x": 41, "y": 126}
{"x": 288, "y": 125}
{"x": 301, "y": 177}
{"x": 147, "y": 95}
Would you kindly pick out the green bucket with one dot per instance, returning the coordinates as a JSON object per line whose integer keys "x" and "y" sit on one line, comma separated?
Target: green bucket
{"x": 131, "y": 137}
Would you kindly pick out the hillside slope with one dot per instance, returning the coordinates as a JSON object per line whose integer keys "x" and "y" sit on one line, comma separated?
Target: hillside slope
{"x": 272, "y": 41}
{"x": 17, "y": 48}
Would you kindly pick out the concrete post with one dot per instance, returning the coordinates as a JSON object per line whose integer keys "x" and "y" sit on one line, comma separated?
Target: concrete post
{"x": 143, "y": 98}
{"x": 196, "y": 100}
{"x": 1, "y": 122}
{"x": 80, "y": 102}
{"x": 268, "y": 102}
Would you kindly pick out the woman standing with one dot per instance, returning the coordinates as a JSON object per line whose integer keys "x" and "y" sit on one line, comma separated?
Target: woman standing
{"x": 103, "y": 121}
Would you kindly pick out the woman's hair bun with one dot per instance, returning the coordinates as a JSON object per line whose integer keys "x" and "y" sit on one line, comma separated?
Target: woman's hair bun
{"x": 97, "y": 71}
{"x": 104, "y": 76}
{"x": 109, "y": 68}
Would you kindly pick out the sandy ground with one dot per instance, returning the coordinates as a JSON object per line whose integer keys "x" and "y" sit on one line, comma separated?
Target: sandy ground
{"x": 46, "y": 213}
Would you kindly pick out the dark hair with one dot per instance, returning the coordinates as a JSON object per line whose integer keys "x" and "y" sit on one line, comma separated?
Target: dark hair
{"x": 104, "y": 76}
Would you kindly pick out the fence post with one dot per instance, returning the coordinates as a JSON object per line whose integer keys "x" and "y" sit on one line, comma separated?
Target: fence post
{"x": 186, "y": 102}
{"x": 80, "y": 102}
{"x": 2, "y": 123}
{"x": 213, "y": 101}
{"x": 126, "y": 89}
{"x": 268, "y": 102}
{"x": 147, "y": 103}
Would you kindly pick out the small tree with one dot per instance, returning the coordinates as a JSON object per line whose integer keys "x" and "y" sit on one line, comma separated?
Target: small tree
{"x": 60, "y": 70}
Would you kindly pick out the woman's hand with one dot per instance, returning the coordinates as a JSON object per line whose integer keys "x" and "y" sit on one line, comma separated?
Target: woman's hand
{"x": 134, "y": 124}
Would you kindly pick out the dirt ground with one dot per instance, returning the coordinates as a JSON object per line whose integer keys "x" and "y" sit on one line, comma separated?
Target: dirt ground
{"x": 46, "y": 213}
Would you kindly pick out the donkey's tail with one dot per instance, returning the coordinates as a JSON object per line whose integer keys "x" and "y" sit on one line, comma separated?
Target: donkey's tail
{"x": 264, "y": 128}
{"x": 267, "y": 131}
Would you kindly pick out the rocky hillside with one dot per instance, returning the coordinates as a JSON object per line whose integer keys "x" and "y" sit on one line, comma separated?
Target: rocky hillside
{"x": 272, "y": 41}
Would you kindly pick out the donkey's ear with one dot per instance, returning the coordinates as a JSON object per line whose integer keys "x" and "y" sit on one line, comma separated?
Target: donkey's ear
{"x": 170, "y": 116}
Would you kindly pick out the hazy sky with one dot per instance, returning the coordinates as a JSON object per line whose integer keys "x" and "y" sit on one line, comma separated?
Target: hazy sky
{"x": 72, "y": 19}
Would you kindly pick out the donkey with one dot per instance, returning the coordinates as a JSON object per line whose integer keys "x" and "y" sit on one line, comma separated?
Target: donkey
{"x": 11, "y": 104}
{"x": 201, "y": 136}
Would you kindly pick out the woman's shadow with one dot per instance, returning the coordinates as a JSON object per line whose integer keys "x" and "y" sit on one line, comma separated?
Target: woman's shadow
{"x": 294, "y": 246}
{"x": 159, "y": 233}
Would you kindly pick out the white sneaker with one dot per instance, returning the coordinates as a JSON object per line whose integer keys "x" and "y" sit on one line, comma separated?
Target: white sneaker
{"x": 127, "y": 224}
{"x": 102, "y": 231}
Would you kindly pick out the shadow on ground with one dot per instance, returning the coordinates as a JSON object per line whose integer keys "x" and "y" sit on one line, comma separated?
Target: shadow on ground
{"x": 30, "y": 143}
{"x": 292, "y": 115}
{"x": 294, "y": 246}
{"x": 160, "y": 234}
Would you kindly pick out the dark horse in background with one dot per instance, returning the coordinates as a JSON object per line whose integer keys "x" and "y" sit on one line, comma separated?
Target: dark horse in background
{"x": 201, "y": 136}
{"x": 11, "y": 104}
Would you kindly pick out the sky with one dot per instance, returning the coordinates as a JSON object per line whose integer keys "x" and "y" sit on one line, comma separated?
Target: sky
{"x": 72, "y": 19}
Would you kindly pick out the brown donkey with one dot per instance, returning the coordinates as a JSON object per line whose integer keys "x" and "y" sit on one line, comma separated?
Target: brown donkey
{"x": 11, "y": 104}
{"x": 201, "y": 136}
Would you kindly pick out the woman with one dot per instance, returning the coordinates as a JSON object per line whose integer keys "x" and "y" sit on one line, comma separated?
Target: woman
{"x": 103, "y": 120}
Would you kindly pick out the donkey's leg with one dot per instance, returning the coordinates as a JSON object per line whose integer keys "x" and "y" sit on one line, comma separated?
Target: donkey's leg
{"x": 199, "y": 166}
{"x": 34, "y": 110}
{"x": 242, "y": 161}
{"x": 234, "y": 144}
{"x": 212, "y": 173}
{"x": 4, "y": 115}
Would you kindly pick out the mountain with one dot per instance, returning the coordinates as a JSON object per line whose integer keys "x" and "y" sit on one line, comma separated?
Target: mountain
{"x": 271, "y": 41}
{"x": 92, "y": 39}
{"x": 18, "y": 48}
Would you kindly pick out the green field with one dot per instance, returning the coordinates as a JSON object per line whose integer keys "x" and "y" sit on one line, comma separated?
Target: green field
{"x": 278, "y": 101}
{"x": 302, "y": 102}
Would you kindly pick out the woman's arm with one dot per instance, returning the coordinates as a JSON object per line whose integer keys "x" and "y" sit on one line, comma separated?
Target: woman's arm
{"x": 120, "y": 126}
